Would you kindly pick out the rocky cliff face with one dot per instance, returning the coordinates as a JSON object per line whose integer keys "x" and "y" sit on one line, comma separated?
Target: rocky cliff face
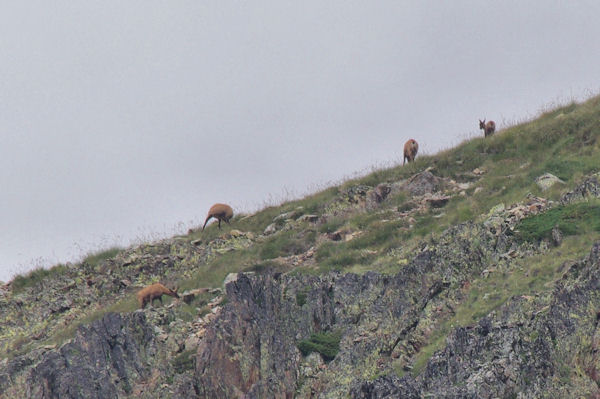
{"x": 252, "y": 347}
{"x": 288, "y": 334}
{"x": 544, "y": 346}
{"x": 119, "y": 355}
{"x": 255, "y": 336}
{"x": 102, "y": 361}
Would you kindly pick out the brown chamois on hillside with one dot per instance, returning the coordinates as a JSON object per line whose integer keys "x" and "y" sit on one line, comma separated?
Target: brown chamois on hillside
{"x": 488, "y": 128}
{"x": 410, "y": 151}
{"x": 220, "y": 212}
{"x": 152, "y": 292}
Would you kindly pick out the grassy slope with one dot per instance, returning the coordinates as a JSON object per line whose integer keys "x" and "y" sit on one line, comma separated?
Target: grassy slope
{"x": 563, "y": 141}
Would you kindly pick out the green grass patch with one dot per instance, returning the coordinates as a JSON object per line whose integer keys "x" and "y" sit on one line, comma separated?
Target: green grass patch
{"x": 35, "y": 277}
{"x": 255, "y": 258}
{"x": 96, "y": 258}
{"x": 213, "y": 273}
{"x": 571, "y": 219}
{"x": 339, "y": 256}
{"x": 325, "y": 343}
{"x": 287, "y": 243}
{"x": 38, "y": 275}
{"x": 332, "y": 225}
{"x": 265, "y": 267}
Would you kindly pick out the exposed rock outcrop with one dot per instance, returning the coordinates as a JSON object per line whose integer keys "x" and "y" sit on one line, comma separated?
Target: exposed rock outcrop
{"x": 525, "y": 349}
{"x": 547, "y": 180}
{"x": 423, "y": 183}
{"x": 119, "y": 355}
{"x": 251, "y": 348}
{"x": 103, "y": 360}
{"x": 590, "y": 187}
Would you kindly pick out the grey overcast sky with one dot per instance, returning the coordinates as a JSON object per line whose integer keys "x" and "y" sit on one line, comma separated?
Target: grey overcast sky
{"x": 125, "y": 120}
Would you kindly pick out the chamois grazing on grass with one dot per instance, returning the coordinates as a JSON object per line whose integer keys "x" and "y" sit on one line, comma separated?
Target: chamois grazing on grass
{"x": 410, "y": 151}
{"x": 488, "y": 128}
{"x": 152, "y": 292}
{"x": 220, "y": 212}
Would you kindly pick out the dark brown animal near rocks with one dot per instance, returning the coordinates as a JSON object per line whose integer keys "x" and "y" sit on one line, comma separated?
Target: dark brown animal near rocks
{"x": 152, "y": 292}
{"x": 221, "y": 212}
{"x": 488, "y": 128}
{"x": 410, "y": 151}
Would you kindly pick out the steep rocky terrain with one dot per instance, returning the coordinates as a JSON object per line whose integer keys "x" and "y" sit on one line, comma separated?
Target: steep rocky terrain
{"x": 470, "y": 274}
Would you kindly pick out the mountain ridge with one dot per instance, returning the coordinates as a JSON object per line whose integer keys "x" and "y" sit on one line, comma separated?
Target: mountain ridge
{"x": 427, "y": 273}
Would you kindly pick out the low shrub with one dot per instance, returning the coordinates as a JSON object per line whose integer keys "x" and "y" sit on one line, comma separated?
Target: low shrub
{"x": 325, "y": 343}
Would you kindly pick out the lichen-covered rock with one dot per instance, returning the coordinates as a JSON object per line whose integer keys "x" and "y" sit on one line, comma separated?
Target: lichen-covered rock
{"x": 589, "y": 187}
{"x": 251, "y": 348}
{"x": 557, "y": 236}
{"x": 529, "y": 348}
{"x": 308, "y": 218}
{"x": 103, "y": 360}
{"x": 378, "y": 195}
{"x": 119, "y": 355}
{"x": 270, "y": 229}
{"x": 386, "y": 387}
{"x": 547, "y": 180}
{"x": 424, "y": 182}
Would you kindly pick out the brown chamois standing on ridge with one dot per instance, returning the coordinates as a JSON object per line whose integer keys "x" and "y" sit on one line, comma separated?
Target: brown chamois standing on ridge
{"x": 220, "y": 212}
{"x": 152, "y": 292}
{"x": 488, "y": 128}
{"x": 410, "y": 151}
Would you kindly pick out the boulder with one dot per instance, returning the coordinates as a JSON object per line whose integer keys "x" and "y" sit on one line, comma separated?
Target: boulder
{"x": 556, "y": 236}
{"x": 309, "y": 218}
{"x": 270, "y": 229}
{"x": 103, "y": 360}
{"x": 547, "y": 180}
{"x": 423, "y": 183}
{"x": 590, "y": 187}
{"x": 437, "y": 201}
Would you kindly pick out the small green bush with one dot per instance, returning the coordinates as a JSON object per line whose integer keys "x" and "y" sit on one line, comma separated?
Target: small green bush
{"x": 325, "y": 343}
{"x": 183, "y": 361}
{"x": 301, "y": 297}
